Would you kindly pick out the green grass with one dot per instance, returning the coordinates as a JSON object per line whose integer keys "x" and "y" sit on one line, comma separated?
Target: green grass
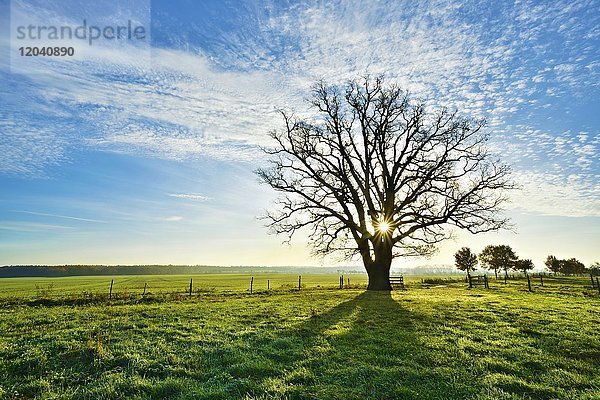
{"x": 160, "y": 284}
{"x": 438, "y": 341}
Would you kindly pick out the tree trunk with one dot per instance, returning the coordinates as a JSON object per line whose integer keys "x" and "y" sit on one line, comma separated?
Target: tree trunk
{"x": 379, "y": 279}
{"x": 379, "y": 270}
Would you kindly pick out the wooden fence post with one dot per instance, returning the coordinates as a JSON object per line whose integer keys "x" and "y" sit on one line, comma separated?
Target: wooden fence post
{"x": 348, "y": 282}
{"x": 110, "y": 292}
{"x": 528, "y": 282}
{"x": 191, "y": 287}
{"x": 145, "y": 285}
{"x": 592, "y": 278}
{"x": 268, "y": 284}
{"x": 251, "y": 284}
{"x": 341, "y": 283}
{"x": 485, "y": 280}
{"x": 542, "y": 279}
{"x": 299, "y": 281}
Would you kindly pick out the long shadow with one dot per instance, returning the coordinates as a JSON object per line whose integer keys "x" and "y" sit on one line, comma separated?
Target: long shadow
{"x": 366, "y": 347}
{"x": 371, "y": 346}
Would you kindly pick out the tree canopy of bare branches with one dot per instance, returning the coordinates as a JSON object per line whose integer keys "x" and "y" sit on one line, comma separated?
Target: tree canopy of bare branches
{"x": 374, "y": 174}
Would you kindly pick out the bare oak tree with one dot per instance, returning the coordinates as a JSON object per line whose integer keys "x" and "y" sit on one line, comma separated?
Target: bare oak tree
{"x": 374, "y": 174}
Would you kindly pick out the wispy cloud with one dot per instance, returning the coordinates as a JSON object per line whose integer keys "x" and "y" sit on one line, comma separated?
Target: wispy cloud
{"x": 555, "y": 194}
{"x": 19, "y": 226}
{"x": 60, "y": 216}
{"x": 174, "y": 218}
{"x": 218, "y": 100}
{"x": 189, "y": 196}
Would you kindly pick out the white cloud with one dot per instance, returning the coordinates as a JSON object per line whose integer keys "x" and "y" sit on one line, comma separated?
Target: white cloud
{"x": 191, "y": 105}
{"x": 41, "y": 214}
{"x": 19, "y": 226}
{"x": 174, "y": 218}
{"x": 189, "y": 196}
{"x": 553, "y": 194}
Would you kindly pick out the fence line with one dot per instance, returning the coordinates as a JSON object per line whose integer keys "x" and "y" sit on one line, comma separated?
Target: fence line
{"x": 116, "y": 291}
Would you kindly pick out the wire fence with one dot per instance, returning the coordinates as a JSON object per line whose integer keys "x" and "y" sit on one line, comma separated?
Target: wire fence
{"x": 101, "y": 288}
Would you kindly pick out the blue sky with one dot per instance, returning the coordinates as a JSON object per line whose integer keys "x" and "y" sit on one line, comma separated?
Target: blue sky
{"x": 145, "y": 154}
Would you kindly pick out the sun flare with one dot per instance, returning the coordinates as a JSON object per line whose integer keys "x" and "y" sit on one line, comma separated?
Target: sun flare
{"x": 383, "y": 227}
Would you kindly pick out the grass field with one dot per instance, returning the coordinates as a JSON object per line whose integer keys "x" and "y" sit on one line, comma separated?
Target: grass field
{"x": 161, "y": 284}
{"x": 439, "y": 341}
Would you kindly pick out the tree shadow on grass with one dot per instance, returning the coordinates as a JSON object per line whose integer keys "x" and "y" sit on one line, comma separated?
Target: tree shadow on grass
{"x": 370, "y": 346}
{"x": 366, "y": 347}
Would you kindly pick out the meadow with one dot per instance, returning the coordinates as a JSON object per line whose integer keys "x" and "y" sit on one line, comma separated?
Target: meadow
{"x": 131, "y": 285}
{"x": 61, "y": 338}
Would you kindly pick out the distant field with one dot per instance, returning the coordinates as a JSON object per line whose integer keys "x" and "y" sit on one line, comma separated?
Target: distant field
{"x": 132, "y": 285}
{"x": 434, "y": 341}
{"x": 32, "y": 287}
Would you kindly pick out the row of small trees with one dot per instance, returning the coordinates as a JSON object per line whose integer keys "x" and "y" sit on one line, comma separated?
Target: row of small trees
{"x": 497, "y": 258}
{"x": 568, "y": 267}
{"x": 504, "y": 258}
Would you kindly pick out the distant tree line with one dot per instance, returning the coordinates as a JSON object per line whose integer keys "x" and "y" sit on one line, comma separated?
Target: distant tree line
{"x": 503, "y": 258}
{"x": 568, "y": 267}
{"x": 13, "y": 271}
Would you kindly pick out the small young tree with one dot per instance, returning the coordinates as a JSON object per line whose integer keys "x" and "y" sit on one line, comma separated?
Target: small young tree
{"x": 465, "y": 260}
{"x": 572, "y": 266}
{"x": 553, "y": 264}
{"x": 500, "y": 257}
{"x": 523, "y": 265}
{"x": 595, "y": 268}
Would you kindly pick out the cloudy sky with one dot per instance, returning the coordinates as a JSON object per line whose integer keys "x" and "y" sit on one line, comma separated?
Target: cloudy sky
{"x": 143, "y": 153}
